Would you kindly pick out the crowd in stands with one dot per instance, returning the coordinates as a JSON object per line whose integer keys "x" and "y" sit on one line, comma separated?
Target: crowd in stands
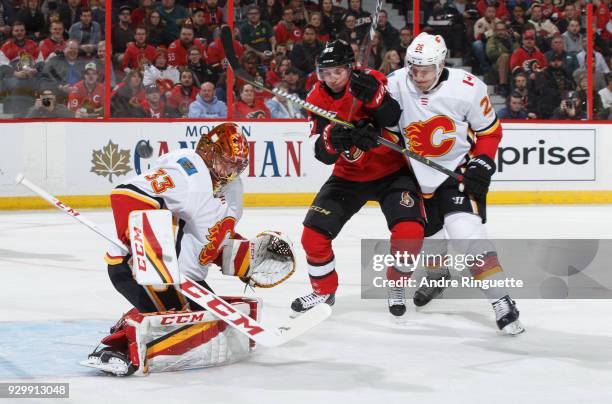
{"x": 167, "y": 59}
{"x": 532, "y": 51}
{"x": 52, "y": 56}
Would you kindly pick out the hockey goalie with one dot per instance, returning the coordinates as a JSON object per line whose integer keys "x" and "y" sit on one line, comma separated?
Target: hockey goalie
{"x": 200, "y": 192}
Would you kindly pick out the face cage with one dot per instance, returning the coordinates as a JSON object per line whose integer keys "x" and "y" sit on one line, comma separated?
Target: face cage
{"x": 348, "y": 66}
{"x": 226, "y": 169}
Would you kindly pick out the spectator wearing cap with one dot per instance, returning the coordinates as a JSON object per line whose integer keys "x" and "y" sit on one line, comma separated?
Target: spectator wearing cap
{"x": 55, "y": 42}
{"x": 160, "y": 73}
{"x": 138, "y": 53}
{"x": 206, "y": 104}
{"x": 87, "y": 33}
{"x": 499, "y": 48}
{"x": 122, "y": 33}
{"x": 286, "y": 32}
{"x": 248, "y": 106}
{"x": 201, "y": 30}
{"x": 543, "y": 26}
{"x": 153, "y": 106}
{"x": 33, "y": 19}
{"x": 257, "y": 35}
{"x": 557, "y": 47}
{"x": 86, "y": 97}
{"x": 573, "y": 38}
{"x": 174, "y": 15}
{"x": 202, "y": 71}
{"x": 127, "y": 96}
{"x": 280, "y": 108}
{"x": 484, "y": 29}
{"x": 178, "y": 50}
{"x": 70, "y": 12}
{"x": 46, "y": 106}
{"x": 514, "y": 108}
{"x": 304, "y": 52}
{"x": 62, "y": 71}
{"x": 182, "y": 95}
{"x": 551, "y": 85}
{"x": 527, "y": 58}
{"x": 156, "y": 30}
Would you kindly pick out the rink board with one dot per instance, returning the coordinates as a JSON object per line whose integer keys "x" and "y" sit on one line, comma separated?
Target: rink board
{"x": 83, "y": 162}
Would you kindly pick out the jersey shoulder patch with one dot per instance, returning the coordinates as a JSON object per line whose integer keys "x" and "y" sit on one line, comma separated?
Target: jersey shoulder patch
{"x": 187, "y": 165}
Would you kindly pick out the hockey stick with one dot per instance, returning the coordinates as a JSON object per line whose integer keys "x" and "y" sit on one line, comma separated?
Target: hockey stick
{"x": 226, "y": 40}
{"x": 192, "y": 290}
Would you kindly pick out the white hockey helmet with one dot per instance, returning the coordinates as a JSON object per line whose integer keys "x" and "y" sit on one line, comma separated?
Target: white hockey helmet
{"x": 427, "y": 50}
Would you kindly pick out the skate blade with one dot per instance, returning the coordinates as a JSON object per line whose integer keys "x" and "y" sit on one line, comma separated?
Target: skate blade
{"x": 513, "y": 329}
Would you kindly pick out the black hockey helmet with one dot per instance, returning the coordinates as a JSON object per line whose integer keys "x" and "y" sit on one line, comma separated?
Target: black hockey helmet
{"x": 336, "y": 53}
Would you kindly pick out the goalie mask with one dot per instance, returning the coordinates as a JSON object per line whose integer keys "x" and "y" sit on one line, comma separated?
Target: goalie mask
{"x": 225, "y": 152}
{"x": 426, "y": 51}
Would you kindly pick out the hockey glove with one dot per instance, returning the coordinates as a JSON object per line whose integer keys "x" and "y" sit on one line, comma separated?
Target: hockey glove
{"x": 339, "y": 137}
{"x": 364, "y": 136}
{"x": 477, "y": 176}
{"x": 367, "y": 89}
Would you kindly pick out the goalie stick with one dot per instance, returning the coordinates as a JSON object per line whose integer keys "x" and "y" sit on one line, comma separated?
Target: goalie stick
{"x": 265, "y": 336}
{"x": 230, "y": 54}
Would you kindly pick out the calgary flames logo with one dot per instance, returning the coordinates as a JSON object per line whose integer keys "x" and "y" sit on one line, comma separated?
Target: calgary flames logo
{"x": 216, "y": 235}
{"x": 420, "y": 135}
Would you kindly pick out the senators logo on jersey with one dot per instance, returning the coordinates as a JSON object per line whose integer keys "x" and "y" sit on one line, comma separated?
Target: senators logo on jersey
{"x": 216, "y": 236}
{"x": 420, "y": 135}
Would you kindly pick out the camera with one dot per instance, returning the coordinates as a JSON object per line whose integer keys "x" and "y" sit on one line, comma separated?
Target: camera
{"x": 46, "y": 101}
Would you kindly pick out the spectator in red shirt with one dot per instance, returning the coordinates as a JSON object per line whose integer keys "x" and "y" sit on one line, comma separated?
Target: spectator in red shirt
{"x": 182, "y": 95}
{"x": 86, "y": 98}
{"x": 248, "y": 107}
{"x": 153, "y": 106}
{"x": 54, "y": 43}
{"x": 213, "y": 17}
{"x": 286, "y": 31}
{"x": 138, "y": 53}
{"x": 601, "y": 14}
{"x": 178, "y": 50}
{"x": 528, "y": 58}
{"x": 215, "y": 53}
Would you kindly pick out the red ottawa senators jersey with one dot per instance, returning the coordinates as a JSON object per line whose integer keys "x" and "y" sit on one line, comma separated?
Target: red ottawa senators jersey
{"x": 80, "y": 97}
{"x": 49, "y": 46}
{"x": 154, "y": 112}
{"x": 136, "y": 57}
{"x": 11, "y": 52}
{"x": 360, "y": 166}
{"x": 177, "y": 54}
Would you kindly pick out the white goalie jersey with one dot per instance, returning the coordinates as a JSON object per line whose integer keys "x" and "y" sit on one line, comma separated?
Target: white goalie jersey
{"x": 181, "y": 183}
{"x": 443, "y": 124}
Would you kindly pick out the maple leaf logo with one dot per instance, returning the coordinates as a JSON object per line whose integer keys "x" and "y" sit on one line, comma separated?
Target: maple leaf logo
{"x": 110, "y": 161}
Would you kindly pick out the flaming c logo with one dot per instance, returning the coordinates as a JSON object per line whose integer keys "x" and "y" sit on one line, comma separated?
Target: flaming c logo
{"x": 216, "y": 235}
{"x": 420, "y": 135}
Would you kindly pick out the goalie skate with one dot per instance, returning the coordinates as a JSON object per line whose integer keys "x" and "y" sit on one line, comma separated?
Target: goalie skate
{"x": 110, "y": 362}
{"x": 305, "y": 303}
{"x": 507, "y": 316}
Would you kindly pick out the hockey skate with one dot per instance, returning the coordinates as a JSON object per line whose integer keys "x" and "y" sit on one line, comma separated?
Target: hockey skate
{"x": 110, "y": 362}
{"x": 396, "y": 301}
{"x": 426, "y": 294}
{"x": 305, "y": 303}
{"x": 506, "y": 316}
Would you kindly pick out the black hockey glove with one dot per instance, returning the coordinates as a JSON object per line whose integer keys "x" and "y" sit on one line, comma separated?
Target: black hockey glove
{"x": 340, "y": 138}
{"x": 367, "y": 89}
{"x": 477, "y": 176}
{"x": 364, "y": 136}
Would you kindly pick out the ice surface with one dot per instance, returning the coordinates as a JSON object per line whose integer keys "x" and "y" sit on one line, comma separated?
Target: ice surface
{"x": 57, "y": 302}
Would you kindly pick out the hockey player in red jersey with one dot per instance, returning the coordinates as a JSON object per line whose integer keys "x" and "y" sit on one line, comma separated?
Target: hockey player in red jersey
{"x": 363, "y": 171}
{"x": 447, "y": 116}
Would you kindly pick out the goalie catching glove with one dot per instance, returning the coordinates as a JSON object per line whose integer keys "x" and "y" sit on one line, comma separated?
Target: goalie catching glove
{"x": 264, "y": 262}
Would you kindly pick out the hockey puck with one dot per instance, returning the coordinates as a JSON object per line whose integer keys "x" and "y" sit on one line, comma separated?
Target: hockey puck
{"x": 144, "y": 149}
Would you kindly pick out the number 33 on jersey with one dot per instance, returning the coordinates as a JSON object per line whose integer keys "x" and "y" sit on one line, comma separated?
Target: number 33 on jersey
{"x": 447, "y": 124}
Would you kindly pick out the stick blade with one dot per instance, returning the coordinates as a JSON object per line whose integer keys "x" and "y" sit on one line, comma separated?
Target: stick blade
{"x": 299, "y": 325}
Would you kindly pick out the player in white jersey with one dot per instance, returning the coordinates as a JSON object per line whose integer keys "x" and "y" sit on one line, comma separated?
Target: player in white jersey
{"x": 447, "y": 117}
{"x": 203, "y": 191}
